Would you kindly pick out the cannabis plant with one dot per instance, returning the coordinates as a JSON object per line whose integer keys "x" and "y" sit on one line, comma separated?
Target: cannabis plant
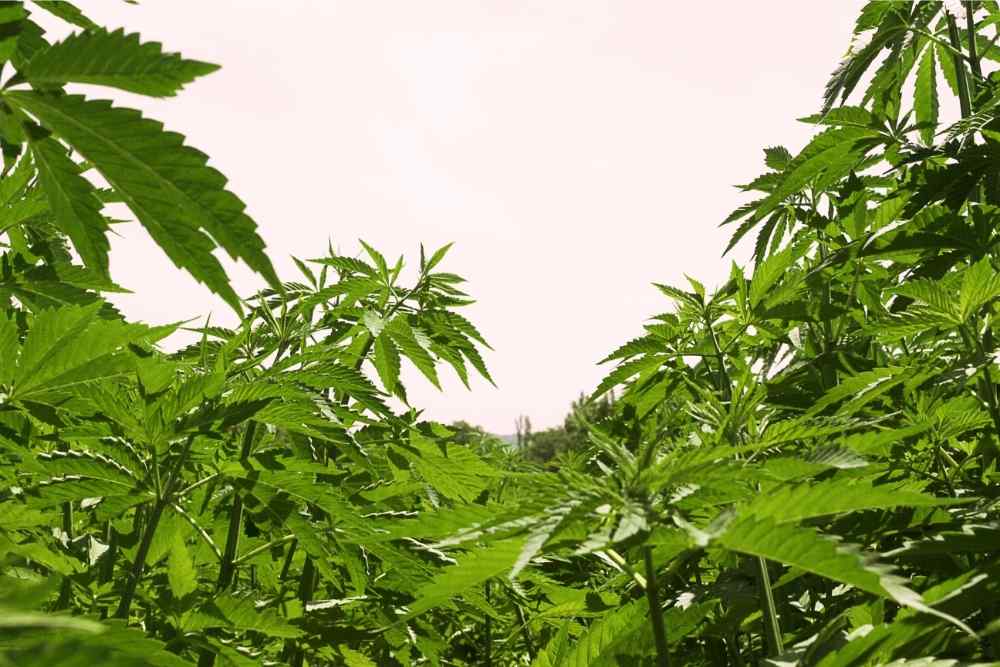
{"x": 798, "y": 467}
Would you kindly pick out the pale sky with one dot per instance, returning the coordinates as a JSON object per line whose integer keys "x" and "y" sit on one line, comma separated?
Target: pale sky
{"x": 575, "y": 151}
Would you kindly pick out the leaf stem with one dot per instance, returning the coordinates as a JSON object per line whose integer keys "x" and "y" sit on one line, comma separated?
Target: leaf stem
{"x": 772, "y": 630}
{"x": 620, "y": 561}
{"x": 262, "y": 548}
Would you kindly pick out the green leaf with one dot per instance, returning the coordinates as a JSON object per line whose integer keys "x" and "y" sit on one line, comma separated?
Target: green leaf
{"x": 68, "y": 12}
{"x": 925, "y": 98}
{"x": 806, "y": 549}
{"x": 72, "y": 199}
{"x": 8, "y": 347}
{"x": 836, "y": 150}
{"x": 472, "y": 570}
{"x": 794, "y": 503}
{"x": 70, "y": 347}
{"x": 608, "y": 638}
{"x": 387, "y": 362}
{"x": 402, "y": 334}
{"x": 180, "y": 201}
{"x": 103, "y": 58}
{"x": 777, "y": 157}
{"x": 180, "y": 569}
{"x": 980, "y": 285}
{"x": 240, "y": 612}
{"x": 453, "y": 470}
{"x": 12, "y": 23}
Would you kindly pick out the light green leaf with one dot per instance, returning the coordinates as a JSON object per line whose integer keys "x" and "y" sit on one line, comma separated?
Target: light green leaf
{"x": 181, "y": 574}
{"x": 472, "y": 569}
{"x": 387, "y": 362}
{"x": 980, "y": 284}
{"x": 407, "y": 343}
{"x": 794, "y": 503}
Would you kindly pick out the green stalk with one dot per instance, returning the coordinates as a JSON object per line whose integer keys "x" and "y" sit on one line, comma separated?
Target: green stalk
{"x": 306, "y": 586}
{"x": 987, "y": 390}
{"x": 963, "y": 84}
{"x": 733, "y": 642}
{"x": 66, "y": 590}
{"x": 149, "y": 530}
{"x": 655, "y": 611}
{"x": 227, "y": 570}
{"x": 288, "y": 560}
{"x": 529, "y": 642}
{"x": 620, "y": 561}
{"x": 262, "y": 548}
{"x": 139, "y": 564}
{"x": 772, "y": 630}
{"x": 725, "y": 383}
{"x": 970, "y": 26}
{"x": 488, "y": 631}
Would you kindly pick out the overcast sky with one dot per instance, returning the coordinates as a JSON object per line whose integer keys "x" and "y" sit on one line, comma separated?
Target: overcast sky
{"x": 575, "y": 151}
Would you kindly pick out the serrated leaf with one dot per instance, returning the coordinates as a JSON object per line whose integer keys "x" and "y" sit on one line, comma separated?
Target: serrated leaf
{"x": 808, "y": 550}
{"x": 114, "y": 59}
{"x": 180, "y": 568}
{"x": 72, "y": 199}
{"x": 180, "y": 201}
{"x": 472, "y": 569}
{"x": 925, "y": 98}
{"x": 387, "y": 363}
{"x": 799, "y": 502}
{"x": 403, "y": 336}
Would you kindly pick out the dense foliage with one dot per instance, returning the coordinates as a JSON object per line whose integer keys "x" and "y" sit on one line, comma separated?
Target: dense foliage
{"x": 798, "y": 468}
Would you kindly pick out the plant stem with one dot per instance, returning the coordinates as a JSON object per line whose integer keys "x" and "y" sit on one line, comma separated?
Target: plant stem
{"x": 488, "y": 631}
{"x": 288, "y": 560}
{"x": 140, "y": 560}
{"x": 620, "y": 561}
{"x": 987, "y": 390}
{"x": 970, "y": 26}
{"x": 306, "y": 585}
{"x": 66, "y": 591}
{"x": 227, "y": 570}
{"x": 529, "y": 642}
{"x": 150, "y": 528}
{"x": 772, "y": 630}
{"x": 262, "y": 548}
{"x": 655, "y": 612}
{"x": 963, "y": 84}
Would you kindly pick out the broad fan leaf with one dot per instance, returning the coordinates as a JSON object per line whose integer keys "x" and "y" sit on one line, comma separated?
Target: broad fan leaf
{"x": 114, "y": 59}
{"x": 82, "y": 645}
{"x": 180, "y": 200}
{"x": 71, "y": 347}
